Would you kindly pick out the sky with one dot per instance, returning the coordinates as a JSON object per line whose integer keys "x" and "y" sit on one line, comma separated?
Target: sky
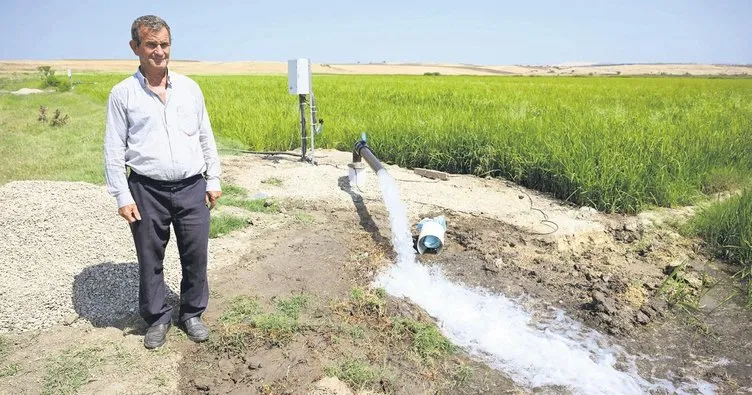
{"x": 492, "y": 32}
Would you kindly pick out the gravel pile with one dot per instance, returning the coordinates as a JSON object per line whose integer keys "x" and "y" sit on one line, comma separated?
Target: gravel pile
{"x": 65, "y": 255}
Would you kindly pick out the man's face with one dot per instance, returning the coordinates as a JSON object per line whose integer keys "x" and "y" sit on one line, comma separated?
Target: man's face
{"x": 154, "y": 51}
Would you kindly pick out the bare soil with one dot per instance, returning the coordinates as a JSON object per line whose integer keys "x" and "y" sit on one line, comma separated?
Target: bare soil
{"x": 633, "y": 278}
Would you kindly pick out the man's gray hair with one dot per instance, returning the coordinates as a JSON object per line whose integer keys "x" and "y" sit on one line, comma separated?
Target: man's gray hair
{"x": 151, "y": 22}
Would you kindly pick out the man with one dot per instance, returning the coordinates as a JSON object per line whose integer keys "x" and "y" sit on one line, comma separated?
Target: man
{"x": 158, "y": 127}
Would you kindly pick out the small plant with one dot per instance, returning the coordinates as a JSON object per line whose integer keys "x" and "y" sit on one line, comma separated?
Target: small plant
{"x": 233, "y": 190}
{"x": 233, "y": 340}
{"x": 49, "y": 80}
{"x": 426, "y": 339}
{"x": 304, "y": 218}
{"x": 462, "y": 374}
{"x": 222, "y": 224}
{"x": 9, "y": 370}
{"x": 241, "y": 309}
{"x": 278, "y": 328}
{"x": 253, "y": 205}
{"x": 160, "y": 380}
{"x": 42, "y": 114}
{"x": 245, "y": 324}
{"x": 677, "y": 290}
{"x": 360, "y": 374}
{"x": 292, "y": 307}
{"x": 58, "y": 119}
{"x": 46, "y": 73}
{"x": 5, "y": 345}
{"x": 366, "y": 303}
{"x": 272, "y": 181}
{"x": 236, "y": 196}
{"x": 69, "y": 371}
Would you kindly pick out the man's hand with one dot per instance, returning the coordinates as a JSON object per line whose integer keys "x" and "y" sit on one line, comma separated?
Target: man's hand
{"x": 130, "y": 213}
{"x": 212, "y": 197}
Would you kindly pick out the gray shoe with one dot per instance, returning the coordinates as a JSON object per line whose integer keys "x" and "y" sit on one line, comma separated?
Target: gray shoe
{"x": 156, "y": 335}
{"x": 196, "y": 330}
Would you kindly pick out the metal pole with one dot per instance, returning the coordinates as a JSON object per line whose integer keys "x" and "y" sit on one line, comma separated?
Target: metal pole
{"x": 303, "y": 139}
{"x": 312, "y": 107}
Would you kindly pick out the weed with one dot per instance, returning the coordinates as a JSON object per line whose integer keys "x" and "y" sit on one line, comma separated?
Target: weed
{"x": 677, "y": 290}
{"x": 253, "y": 205}
{"x": 42, "y": 114}
{"x": 50, "y": 80}
{"x": 160, "y": 380}
{"x": 241, "y": 309}
{"x": 69, "y": 371}
{"x": 244, "y": 323}
{"x": 235, "y": 333}
{"x": 237, "y": 196}
{"x": 426, "y": 340}
{"x": 293, "y": 306}
{"x": 643, "y": 246}
{"x": 222, "y": 224}
{"x": 231, "y": 339}
{"x": 356, "y": 332}
{"x": 59, "y": 119}
{"x": 359, "y": 374}
{"x": 366, "y": 302}
{"x": 279, "y": 327}
{"x": 9, "y": 370}
{"x": 462, "y": 374}
{"x": 276, "y": 329}
{"x": 232, "y": 190}
{"x": 123, "y": 356}
{"x": 5, "y": 346}
{"x": 304, "y": 218}
{"x": 272, "y": 181}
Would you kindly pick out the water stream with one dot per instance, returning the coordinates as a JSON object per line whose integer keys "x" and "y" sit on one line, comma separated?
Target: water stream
{"x": 545, "y": 350}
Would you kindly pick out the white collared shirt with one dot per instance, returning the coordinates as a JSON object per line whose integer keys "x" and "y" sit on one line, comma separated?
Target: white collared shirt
{"x": 167, "y": 141}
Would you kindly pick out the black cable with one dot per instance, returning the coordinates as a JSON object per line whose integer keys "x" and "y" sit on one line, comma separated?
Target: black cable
{"x": 545, "y": 219}
{"x": 260, "y": 152}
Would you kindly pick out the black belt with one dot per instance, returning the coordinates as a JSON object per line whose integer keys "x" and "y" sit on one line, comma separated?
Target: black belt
{"x": 164, "y": 184}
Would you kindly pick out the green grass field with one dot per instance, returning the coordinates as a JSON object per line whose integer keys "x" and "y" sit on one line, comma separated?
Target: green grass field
{"x": 617, "y": 144}
{"x": 727, "y": 228}
{"x": 31, "y": 149}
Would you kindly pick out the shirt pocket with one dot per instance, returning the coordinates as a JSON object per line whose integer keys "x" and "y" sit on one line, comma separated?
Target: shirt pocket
{"x": 188, "y": 120}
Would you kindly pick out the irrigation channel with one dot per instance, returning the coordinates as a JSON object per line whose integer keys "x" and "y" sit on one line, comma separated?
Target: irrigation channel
{"x": 543, "y": 351}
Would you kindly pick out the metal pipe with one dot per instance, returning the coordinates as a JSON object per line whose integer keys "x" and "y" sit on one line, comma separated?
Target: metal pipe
{"x": 362, "y": 150}
{"x": 303, "y": 138}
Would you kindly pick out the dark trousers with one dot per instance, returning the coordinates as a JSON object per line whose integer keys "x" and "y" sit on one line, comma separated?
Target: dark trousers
{"x": 182, "y": 204}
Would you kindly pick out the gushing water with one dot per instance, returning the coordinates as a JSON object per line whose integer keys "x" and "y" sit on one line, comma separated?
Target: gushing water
{"x": 549, "y": 351}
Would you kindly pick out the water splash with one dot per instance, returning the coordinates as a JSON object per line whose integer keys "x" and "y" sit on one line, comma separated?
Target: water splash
{"x": 550, "y": 350}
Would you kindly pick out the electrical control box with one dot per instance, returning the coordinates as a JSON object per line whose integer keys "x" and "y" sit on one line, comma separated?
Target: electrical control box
{"x": 299, "y": 76}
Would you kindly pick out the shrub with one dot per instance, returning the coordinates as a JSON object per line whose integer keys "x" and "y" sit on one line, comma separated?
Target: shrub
{"x": 49, "y": 80}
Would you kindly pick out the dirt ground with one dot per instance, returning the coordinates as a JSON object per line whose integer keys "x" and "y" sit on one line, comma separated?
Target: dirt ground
{"x": 269, "y": 67}
{"x": 633, "y": 278}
